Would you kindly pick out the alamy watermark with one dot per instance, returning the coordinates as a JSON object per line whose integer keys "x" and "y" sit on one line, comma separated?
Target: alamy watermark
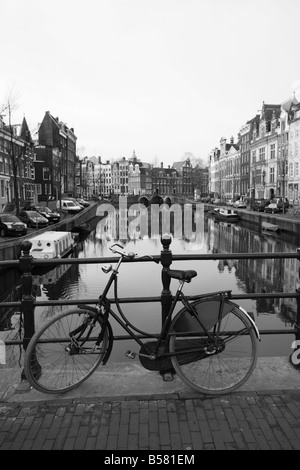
{"x": 2, "y": 352}
{"x": 182, "y": 221}
{"x": 295, "y": 356}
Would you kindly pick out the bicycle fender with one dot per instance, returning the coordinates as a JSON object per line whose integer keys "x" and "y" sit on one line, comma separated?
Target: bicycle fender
{"x": 109, "y": 329}
{"x": 251, "y": 321}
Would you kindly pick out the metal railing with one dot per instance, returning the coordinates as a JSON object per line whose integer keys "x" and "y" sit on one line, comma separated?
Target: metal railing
{"x": 28, "y": 302}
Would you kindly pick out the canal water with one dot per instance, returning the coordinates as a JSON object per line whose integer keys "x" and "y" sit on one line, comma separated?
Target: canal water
{"x": 85, "y": 281}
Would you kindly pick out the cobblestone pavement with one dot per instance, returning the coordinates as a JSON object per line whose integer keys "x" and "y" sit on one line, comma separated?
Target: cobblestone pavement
{"x": 267, "y": 420}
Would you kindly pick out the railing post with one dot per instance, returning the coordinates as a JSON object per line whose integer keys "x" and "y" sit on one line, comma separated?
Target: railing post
{"x": 27, "y": 301}
{"x": 166, "y": 261}
{"x": 166, "y": 295}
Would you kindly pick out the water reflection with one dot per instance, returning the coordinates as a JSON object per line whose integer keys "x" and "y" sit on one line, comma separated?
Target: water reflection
{"x": 144, "y": 279}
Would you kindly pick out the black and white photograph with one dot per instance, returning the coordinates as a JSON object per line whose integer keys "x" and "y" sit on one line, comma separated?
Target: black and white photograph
{"x": 149, "y": 228}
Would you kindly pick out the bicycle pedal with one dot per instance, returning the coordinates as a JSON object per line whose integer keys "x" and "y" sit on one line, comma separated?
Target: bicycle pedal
{"x": 130, "y": 354}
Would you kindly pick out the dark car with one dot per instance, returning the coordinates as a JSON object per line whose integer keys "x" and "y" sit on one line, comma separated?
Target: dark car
{"x": 282, "y": 203}
{"x": 277, "y": 204}
{"x": 260, "y": 204}
{"x": 33, "y": 219}
{"x": 11, "y": 225}
{"x": 53, "y": 217}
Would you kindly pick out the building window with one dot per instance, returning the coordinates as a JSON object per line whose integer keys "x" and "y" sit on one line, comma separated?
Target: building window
{"x": 296, "y": 169}
{"x": 262, "y": 153}
{"x": 39, "y": 189}
{"x": 272, "y": 175}
{"x": 45, "y": 173}
{"x": 273, "y": 151}
{"x": 291, "y": 172}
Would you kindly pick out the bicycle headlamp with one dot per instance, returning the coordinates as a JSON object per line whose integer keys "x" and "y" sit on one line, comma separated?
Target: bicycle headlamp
{"x": 106, "y": 268}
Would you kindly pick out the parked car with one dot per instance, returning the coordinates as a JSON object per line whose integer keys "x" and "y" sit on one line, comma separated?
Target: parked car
{"x": 68, "y": 206}
{"x": 82, "y": 202}
{"x": 53, "y": 217}
{"x": 277, "y": 204}
{"x": 33, "y": 219}
{"x": 216, "y": 201}
{"x": 282, "y": 202}
{"x": 11, "y": 225}
{"x": 260, "y": 204}
{"x": 230, "y": 202}
{"x": 272, "y": 208}
{"x": 76, "y": 202}
{"x": 240, "y": 204}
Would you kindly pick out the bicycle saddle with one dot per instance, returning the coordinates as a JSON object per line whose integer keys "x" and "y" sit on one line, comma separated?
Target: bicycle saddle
{"x": 181, "y": 275}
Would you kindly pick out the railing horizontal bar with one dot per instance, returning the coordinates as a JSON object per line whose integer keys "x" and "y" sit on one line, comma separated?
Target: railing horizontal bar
{"x": 41, "y": 303}
{"x": 183, "y": 257}
{"x": 156, "y": 335}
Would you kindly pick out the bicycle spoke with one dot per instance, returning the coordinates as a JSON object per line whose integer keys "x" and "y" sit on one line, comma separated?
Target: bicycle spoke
{"x": 228, "y": 353}
{"x": 54, "y": 363}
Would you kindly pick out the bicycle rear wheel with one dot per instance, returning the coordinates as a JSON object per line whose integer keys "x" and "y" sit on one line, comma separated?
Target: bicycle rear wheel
{"x": 55, "y": 363}
{"x": 219, "y": 363}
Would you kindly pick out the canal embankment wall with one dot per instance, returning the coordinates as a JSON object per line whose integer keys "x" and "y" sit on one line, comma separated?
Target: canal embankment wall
{"x": 287, "y": 224}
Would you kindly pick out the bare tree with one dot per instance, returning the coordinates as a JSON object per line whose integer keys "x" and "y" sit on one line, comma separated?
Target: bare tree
{"x": 195, "y": 161}
{"x": 17, "y": 149}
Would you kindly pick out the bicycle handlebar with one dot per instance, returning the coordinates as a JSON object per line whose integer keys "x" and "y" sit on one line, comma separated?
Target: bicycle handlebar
{"x": 129, "y": 255}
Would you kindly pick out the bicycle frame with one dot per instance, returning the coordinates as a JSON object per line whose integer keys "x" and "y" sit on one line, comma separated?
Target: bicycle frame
{"x": 161, "y": 337}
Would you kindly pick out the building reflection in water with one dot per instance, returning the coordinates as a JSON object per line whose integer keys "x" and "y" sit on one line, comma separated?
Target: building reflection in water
{"x": 258, "y": 275}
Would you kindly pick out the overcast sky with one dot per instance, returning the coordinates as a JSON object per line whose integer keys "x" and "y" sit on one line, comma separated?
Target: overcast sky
{"x": 161, "y": 77}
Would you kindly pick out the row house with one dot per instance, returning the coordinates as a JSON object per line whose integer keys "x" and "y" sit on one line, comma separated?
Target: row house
{"x": 264, "y": 154}
{"x": 292, "y": 184}
{"x": 264, "y": 163}
{"x": 56, "y": 156}
{"x": 166, "y": 181}
{"x": 119, "y": 176}
{"x": 139, "y": 178}
{"x": 17, "y": 174}
{"x": 185, "y": 170}
{"x": 224, "y": 169}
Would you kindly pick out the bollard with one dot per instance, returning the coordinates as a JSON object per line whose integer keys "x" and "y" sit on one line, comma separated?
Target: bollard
{"x": 27, "y": 301}
{"x": 166, "y": 295}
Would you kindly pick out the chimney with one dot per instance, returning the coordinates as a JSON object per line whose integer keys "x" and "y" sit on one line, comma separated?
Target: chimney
{"x": 161, "y": 164}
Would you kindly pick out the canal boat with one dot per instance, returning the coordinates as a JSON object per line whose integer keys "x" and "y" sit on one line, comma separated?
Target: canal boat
{"x": 267, "y": 227}
{"x": 52, "y": 245}
{"x": 225, "y": 214}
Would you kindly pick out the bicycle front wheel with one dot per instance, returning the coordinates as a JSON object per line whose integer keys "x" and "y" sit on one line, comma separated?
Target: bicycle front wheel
{"x": 62, "y": 354}
{"x": 218, "y": 362}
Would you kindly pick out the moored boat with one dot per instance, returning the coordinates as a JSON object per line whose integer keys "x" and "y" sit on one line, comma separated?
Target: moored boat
{"x": 266, "y": 226}
{"x": 51, "y": 245}
{"x": 225, "y": 214}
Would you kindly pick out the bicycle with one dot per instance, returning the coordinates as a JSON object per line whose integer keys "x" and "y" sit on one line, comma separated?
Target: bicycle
{"x": 211, "y": 343}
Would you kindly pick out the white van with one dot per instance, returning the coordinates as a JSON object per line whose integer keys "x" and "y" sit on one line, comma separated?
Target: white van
{"x": 65, "y": 205}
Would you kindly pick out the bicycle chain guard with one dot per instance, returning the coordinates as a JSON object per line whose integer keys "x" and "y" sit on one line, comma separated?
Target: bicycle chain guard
{"x": 161, "y": 364}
